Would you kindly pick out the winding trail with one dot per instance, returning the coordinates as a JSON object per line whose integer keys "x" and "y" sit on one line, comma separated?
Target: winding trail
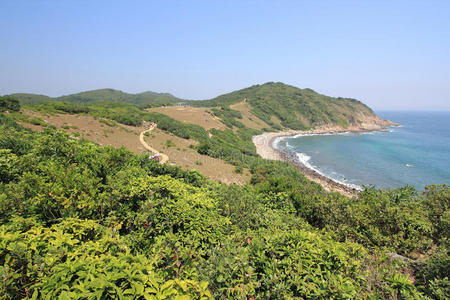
{"x": 164, "y": 157}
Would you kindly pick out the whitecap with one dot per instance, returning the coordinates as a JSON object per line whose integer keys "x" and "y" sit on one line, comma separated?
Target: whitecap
{"x": 305, "y": 160}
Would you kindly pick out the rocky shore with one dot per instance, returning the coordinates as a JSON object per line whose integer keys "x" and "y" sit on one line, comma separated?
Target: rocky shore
{"x": 265, "y": 149}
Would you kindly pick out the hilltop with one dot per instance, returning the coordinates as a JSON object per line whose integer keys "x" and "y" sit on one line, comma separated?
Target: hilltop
{"x": 101, "y": 95}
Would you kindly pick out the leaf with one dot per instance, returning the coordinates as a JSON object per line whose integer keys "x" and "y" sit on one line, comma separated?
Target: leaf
{"x": 139, "y": 288}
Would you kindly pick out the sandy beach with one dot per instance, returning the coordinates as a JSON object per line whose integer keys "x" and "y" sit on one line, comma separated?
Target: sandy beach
{"x": 265, "y": 149}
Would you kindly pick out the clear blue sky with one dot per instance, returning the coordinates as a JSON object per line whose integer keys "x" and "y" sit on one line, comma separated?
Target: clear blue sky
{"x": 389, "y": 54}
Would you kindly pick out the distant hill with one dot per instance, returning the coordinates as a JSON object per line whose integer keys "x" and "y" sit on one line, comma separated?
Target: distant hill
{"x": 275, "y": 104}
{"x": 25, "y": 98}
{"x": 101, "y": 95}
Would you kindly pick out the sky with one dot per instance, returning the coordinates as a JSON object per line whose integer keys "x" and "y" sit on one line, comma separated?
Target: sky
{"x": 392, "y": 55}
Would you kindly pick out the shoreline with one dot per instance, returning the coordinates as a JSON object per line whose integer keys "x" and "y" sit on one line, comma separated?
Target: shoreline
{"x": 266, "y": 149}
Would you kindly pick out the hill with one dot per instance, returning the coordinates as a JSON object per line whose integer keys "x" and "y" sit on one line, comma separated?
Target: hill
{"x": 31, "y": 99}
{"x": 101, "y": 95}
{"x": 280, "y": 105}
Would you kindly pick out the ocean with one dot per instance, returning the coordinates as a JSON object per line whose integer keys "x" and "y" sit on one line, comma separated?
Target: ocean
{"x": 417, "y": 153}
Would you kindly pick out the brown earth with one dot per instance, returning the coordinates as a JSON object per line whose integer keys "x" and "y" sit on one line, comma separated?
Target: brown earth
{"x": 194, "y": 115}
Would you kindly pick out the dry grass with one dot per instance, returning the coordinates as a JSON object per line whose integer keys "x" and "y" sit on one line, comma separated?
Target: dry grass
{"x": 276, "y": 120}
{"x": 248, "y": 119}
{"x": 193, "y": 115}
{"x": 93, "y": 130}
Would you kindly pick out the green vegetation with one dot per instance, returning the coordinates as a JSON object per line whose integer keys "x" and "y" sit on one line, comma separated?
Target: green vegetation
{"x": 108, "y": 122}
{"x": 24, "y": 98}
{"x": 9, "y": 103}
{"x": 296, "y": 108}
{"x": 103, "y": 95}
{"x": 82, "y": 221}
{"x": 228, "y": 116}
{"x": 238, "y": 170}
{"x": 169, "y": 143}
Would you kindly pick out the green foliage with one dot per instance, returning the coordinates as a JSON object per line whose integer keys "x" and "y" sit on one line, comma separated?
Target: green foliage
{"x": 437, "y": 203}
{"x": 234, "y": 147}
{"x": 276, "y": 264}
{"x": 102, "y": 95}
{"x": 9, "y": 103}
{"x": 79, "y": 259}
{"x": 26, "y": 99}
{"x": 228, "y": 116}
{"x": 392, "y": 219}
{"x": 17, "y": 116}
{"x": 108, "y": 122}
{"x": 434, "y": 276}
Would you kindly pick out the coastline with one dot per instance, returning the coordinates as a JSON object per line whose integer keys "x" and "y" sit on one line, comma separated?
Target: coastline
{"x": 265, "y": 148}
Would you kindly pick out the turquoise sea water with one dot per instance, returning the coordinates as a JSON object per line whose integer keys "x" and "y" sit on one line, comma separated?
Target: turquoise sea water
{"x": 417, "y": 153}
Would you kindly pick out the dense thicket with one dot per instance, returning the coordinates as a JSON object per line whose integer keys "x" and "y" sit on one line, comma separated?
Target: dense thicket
{"x": 81, "y": 221}
{"x": 8, "y": 103}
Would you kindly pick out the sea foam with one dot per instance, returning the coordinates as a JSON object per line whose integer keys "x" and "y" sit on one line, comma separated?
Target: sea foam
{"x": 304, "y": 159}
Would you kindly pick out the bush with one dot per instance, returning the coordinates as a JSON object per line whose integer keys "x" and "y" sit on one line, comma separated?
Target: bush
{"x": 9, "y": 103}
{"x": 169, "y": 143}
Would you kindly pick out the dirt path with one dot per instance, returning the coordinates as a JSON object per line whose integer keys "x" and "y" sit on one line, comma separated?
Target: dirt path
{"x": 164, "y": 157}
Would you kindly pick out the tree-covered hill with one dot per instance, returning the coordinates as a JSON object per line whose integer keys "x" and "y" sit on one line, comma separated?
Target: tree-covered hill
{"x": 31, "y": 99}
{"x": 101, "y": 95}
{"x": 296, "y": 108}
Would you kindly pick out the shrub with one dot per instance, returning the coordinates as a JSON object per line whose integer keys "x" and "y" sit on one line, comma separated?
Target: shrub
{"x": 9, "y": 103}
{"x": 169, "y": 143}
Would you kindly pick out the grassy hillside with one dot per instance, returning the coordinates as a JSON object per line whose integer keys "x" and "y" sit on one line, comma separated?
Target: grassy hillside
{"x": 80, "y": 221}
{"x": 295, "y": 108}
